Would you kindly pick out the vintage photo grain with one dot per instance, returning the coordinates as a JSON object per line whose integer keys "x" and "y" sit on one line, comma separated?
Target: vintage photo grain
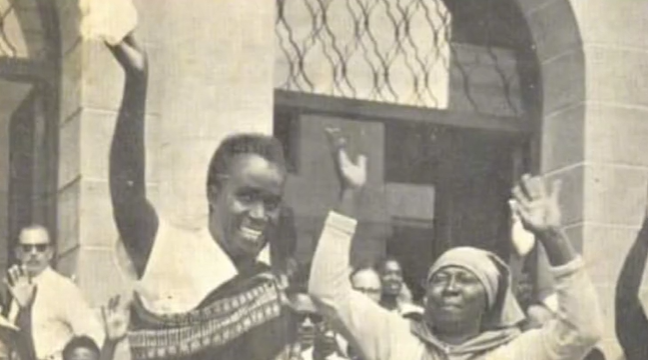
{"x": 323, "y": 179}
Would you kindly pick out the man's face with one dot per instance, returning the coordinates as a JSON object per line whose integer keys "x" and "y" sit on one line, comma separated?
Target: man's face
{"x": 455, "y": 296}
{"x": 308, "y": 325}
{"x": 391, "y": 277}
{"x": 247, "y": 205}
{"x": 307, "y": 319}
{"x": 367, "y": 282}
{"x": 34, "y": 250}
{"x": 324, "y": 344}
{"x": 82, "y": 353}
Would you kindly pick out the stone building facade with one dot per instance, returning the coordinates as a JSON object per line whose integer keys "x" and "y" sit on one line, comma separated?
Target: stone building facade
{"x": 212, "y": 66}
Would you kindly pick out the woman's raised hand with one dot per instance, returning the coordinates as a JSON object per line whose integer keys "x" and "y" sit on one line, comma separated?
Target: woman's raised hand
{"x": 352, "y": 174}
{"x": 537, "y": 207}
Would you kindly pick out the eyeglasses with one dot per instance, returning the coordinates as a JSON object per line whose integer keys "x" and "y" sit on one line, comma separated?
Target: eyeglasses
{"x": 314, "y": 318}
{"x": 367, "y": 291}
{"x": 32, "y": 247}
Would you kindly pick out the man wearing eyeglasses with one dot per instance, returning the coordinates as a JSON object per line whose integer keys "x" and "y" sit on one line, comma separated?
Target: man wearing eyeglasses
{"x": 316, "y": 340}
{"x": 58, "y": 310}
{"x": 367, "y": 281}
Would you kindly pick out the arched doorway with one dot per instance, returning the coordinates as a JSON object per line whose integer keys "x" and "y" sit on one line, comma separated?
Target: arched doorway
{"x": 29, "y": 82}
{"x": 366, "y": 66}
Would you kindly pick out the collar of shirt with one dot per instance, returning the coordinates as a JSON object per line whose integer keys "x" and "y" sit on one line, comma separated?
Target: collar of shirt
{"x": 43, "y": 276}
{"x": 225, "y": 269}
{"x": 183, "y": 268}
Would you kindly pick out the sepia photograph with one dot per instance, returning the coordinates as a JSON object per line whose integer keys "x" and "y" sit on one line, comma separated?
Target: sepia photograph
{"x": 323, "y": 180}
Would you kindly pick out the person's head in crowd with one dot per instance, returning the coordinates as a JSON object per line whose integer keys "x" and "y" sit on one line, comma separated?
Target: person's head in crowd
{"x": 81, "y": 348}
{"x": 391, "y": 277}
{"x": 595, "y": 354}
{"x": 313, "y": 332}
{"x": 307, "y": 319}
{"x": 367, "y": 281}
{"x": 325, "y": 344}
{"x": 34, "y": 249}
{"x": 244, "y": 189}
{"x": 468, "y": 291}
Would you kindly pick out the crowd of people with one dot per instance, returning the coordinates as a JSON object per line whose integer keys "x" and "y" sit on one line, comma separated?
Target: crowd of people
{"x": 213, "y": 295}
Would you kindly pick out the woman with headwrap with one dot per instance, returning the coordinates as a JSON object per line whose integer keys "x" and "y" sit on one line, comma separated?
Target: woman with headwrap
{"x": 470, "y": 312}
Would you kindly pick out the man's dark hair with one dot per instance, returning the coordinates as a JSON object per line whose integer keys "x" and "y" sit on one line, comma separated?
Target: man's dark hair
{"x": 79, "y": 342}
{"x": 265, "y": 146}
{"x": 388, "y": 258}
{"x": 362, "y": 268}
{"x": 595, "y": 354}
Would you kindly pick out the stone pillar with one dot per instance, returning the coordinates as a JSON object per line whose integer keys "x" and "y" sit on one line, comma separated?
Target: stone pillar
{"x": 210, "y": 76}
{"x": 90, "y": 95}
{"x": 616, "y": 133}
{"x": 218, "y": 59}
{"x": 594, "y": 131}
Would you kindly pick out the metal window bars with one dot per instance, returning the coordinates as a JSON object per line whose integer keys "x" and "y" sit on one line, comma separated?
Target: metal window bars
{"x": 392, "y": 51}
{"x": 21, "y": 33}
{"x": 7, "y": 47}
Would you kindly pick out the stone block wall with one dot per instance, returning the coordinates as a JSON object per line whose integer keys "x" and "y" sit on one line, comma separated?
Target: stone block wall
{"x": 593, "y": 60}
{"x": 201, "y": 90}
{"x": 211, "y": 75}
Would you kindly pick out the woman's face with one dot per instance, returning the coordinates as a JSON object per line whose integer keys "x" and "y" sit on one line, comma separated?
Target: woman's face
{"x": 455, "y": 298}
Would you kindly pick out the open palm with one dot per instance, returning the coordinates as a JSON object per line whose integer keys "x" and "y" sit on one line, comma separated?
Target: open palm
{"x": 21, "y": 286}
{"x": 537, "y": 208}
{"x": 115, "y": 317}
{"x": 352, "y": 174}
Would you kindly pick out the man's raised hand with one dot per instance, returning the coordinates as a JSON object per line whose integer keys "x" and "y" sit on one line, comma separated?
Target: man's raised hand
{"x": 352, "y": 174}
{"x": 115, "y": 318}
{"x": 21, "y": 286}
{"x": 538, "y": 208}
{"x": 130, "y": 55}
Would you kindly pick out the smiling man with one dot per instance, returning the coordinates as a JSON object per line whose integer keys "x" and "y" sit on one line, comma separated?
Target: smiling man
{"x": 391, "y": 278}
{"x": 205, "y": 295}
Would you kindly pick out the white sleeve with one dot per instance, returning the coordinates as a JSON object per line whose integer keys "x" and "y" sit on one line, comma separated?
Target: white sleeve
{"x": 577, "y": 326}
{"x": 358, "y": 318}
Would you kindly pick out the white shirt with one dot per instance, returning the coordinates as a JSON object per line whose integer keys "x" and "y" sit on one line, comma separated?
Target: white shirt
{"x": 59, "y": 313}
{"x": 183, "y": 268}
{"x": 308, "y": 355}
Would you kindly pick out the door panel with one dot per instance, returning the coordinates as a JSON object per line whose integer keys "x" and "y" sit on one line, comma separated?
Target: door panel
{"x": 453, "y": 186}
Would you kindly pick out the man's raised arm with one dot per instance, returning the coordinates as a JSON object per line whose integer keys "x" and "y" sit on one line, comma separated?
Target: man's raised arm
{"x": 631, "y": 321}
{"x": 134, "y": 216}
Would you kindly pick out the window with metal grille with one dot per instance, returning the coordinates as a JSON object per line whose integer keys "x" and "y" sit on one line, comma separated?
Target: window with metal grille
{"x": 394, "y": 51}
